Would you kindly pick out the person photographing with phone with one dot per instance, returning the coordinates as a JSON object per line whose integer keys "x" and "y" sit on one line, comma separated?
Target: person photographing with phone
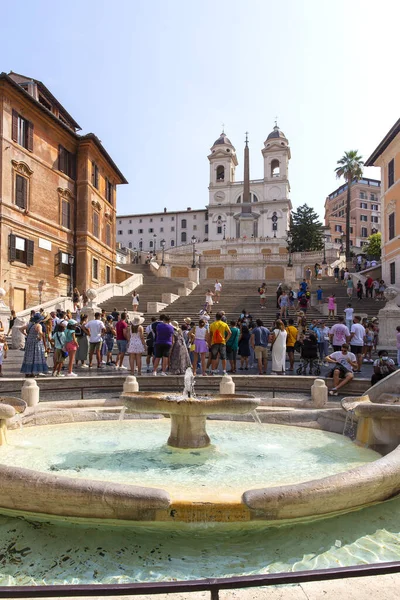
{"x": 342, "y": 372}
{"x": 383, "y": 366}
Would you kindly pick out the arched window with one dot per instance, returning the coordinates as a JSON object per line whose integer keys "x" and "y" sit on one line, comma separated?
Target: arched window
{"x": 130, "y": 245}
{"x": 150, "y": 244}
{"x": 220, "y": 173}
{"x": 254, "y": 198}
{"x": 172, "y": 243}
{"x": 238, "y": 201}
{"x": 183, "y": 236}
{"x": 183, "y": 224}
{"x": 275, "y": 168}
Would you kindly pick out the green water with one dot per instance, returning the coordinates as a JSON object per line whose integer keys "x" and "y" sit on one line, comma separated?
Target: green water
{"x": 44, "y": 553}
{"x": 243, "y": 455}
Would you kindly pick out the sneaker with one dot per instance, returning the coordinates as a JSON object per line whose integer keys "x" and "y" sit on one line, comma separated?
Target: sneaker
{"x": 123, "y": 368}
{"x": 148, "y": 370}
{"x": 71, "y": 375}
{"x": 154, "y": 373}
{"x": 216, "y": 372}
{"x": 163, "y": 374}
{"x": 223, "y": 372}
{"x": 117, "y": 366}
{"x": 365, "y": 360}
{"x": 60, "y": 375}
{"x": 84, "y": 366}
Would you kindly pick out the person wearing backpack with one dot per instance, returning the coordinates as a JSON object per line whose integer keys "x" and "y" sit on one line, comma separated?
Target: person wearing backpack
{"x": 259, "y": 341}
{"x": 233, "y": 345}
{"x": 150, "y": 337}
{"x": 218, "y": 335}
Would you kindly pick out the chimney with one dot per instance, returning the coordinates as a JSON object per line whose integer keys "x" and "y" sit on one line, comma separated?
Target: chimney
{"x": 165, "y": 210}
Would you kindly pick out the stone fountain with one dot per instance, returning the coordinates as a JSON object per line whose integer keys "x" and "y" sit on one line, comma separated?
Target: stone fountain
{"x": 188, "y": 413}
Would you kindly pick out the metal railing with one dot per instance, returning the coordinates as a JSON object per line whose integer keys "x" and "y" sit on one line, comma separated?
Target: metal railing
{"x": 199, "y": 585}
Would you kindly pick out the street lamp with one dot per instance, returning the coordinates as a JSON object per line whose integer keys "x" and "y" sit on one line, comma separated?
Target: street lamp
{"x": 71, "y": 260}
{"x": 162, "y": 244}
{"x": 194, "y": 251}
{"x": 289, "y": 240}
{"x": 324, "y": 261}
{"x": 155, "y": 242}
{"x": 224, "y": 230}
{"x": 140, "y": 244}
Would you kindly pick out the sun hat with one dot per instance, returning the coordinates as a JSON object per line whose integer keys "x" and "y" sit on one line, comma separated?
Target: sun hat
{"x": 137, "y": 320}
{"x": 37, "y": 318}
{"x": 110, "y": 318}
{"x": 72, "y": 322}
{"x": 175, "y": 324}
{"x": 187, "y": 320}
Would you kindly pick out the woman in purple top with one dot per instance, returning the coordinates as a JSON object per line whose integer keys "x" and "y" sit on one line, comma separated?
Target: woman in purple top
{"x": 163, "y": 344}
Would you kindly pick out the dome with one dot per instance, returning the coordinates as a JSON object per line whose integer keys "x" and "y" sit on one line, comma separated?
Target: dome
{"x": 223, "y": 140}
{"x": 276, "y": 133}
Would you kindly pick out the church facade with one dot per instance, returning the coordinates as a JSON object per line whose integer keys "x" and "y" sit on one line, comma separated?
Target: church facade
{"x": 252, "y": 209}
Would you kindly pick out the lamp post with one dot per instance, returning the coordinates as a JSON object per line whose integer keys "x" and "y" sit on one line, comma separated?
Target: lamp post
{"x": 155, "y": 243}
{"x": 289, "y": 240}
{"x": 224, "y": 231}
{"x": 140, "y": 244}
{"x": 274, "y": 223}
{"x": 162, "y": 244}
{"x": 71, "y": 260}
{"x": 194, "y": 251}
{"x": 324, "y": 261}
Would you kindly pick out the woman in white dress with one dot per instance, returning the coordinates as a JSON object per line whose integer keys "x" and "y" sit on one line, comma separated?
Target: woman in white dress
{"x": 135, "y": 301}
{"x": 136, "y": 344}
{"x": 209, "y": 301}
{"x": 279, "y": 336}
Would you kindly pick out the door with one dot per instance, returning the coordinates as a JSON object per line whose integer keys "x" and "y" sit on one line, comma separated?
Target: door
{"x": 19, "y": 299}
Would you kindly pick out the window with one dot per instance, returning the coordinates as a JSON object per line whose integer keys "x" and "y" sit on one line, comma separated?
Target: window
{"x": 120, "y": 232}
{"x": 194, "y": 227}
{"x": 162, "y": 219}
{"x": 21, "y": 191}
{"x": 66, "y": 214}
{"x": 275, "y": 168}
{"x": 22, "y": 131}
{"x": 110, "y": 193}
{"x": 108, "y": 234}
{"x": 66, "y": 162}
{"x": 172, "y": 228}
{"x": 219, "y": 229}
{"x": 338, "y": 241}
{"x": 172, "y": 243}
{"x": 254, "y": 198}
{"x": 363, "y": 196}
{"x": 183, "y": 224}
{"x": 151, "y": 230}
{"x": 194, "y": 217}
{"x": 130, "y": 231}
{"x": 364, "y": 232}
{"x": 391, "y": 173}
{"x": 161, "y": 229}
{"x": 206, "y": 228}
{"x": 108, "y": 274}
{"x": 130, "y": 220}
{"x": 363, "y": 205}
{"x": 220, "y": 173}
{"x": 62, "y": 260}
{"x": 140, "y": 220}
{"x": 95, "y": 175}
{"x": 238, "y": 201}
{"x": 172, "y": 218}
{"x": 183, "y": 236}
{"x": 95, "y": 224}
{"x": 130, "y": 245}
{"x": 120, "y": 222}
{"x": 373, "y": 197}
{"x": 392, "y": 271}
{"x": 95, "y": 268}
{"x": 151, "y": 220}
{"x": 150, "y": 244}
{"x": 338, "y": 228}
{"x": 374, "y": 219}
{"x": 374, "y": 207}
{"x": 363, "y": 218}
{"x": 20, "y": 249}
{"x": 351, "y": 230}
{"x": 392, "y": 232}
{"x": 140, "y": 230}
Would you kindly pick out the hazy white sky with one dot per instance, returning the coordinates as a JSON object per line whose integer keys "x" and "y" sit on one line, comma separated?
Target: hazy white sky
{"x": 155, "y": 79}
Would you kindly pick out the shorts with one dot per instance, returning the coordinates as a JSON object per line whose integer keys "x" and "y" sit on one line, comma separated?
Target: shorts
{"x": 150, "y": 350}
{"x": 58, "y": 356}
{"x": 218, "y": 349}
{"x": 231, "y": 353}
{"x": 94, "y": 346}
{"x": 342, "y": 372}
{"x": 290, "y": 349}
{"x": 71, "y": 346}
{"x": 356, "y": 349}
{"x": 122, "y": 346}
{"x": 162, "y": 350}
{"x": 109, "y": 344}
{"x": 260, "y": 352}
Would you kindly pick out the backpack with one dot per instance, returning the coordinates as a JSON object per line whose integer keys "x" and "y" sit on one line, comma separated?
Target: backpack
{"x": 150, "y": 337}
{"x": 218, "y": 338}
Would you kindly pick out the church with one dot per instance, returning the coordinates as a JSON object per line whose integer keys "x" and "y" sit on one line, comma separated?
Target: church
{"x": 252, "y": 209}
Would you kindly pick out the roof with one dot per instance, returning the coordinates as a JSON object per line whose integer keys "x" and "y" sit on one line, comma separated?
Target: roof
{"x": 389, "y": 137}
{"x": 92, "y": 137}
{"x": 223, "y": 140}
{"x": 171, "y": 212}
{"x": 276, "y": 133}
{"x": 48, "y": 113}
{"x": 50, "y": 96}
{"x": 362, "y": 181}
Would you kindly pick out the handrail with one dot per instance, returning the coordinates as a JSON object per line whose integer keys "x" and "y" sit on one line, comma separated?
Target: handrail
{"x": 212, "y": 585}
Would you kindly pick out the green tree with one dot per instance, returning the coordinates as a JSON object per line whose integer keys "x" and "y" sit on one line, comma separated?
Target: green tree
{"x": 374, "y": 245}
{"x": 305, "y": 232}
{"x": 351, "y": 168}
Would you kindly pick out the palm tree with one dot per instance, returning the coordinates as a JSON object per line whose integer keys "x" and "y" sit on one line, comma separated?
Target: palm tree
{"x": 351, "y": 168}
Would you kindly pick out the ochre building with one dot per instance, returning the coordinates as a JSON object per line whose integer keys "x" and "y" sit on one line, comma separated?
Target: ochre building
{"x": 57, "y": 198}
{"x": 387, "y": 157}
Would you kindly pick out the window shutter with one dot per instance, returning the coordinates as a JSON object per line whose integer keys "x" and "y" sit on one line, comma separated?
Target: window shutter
{"x": 57, "y": 263}
{"x": 14, "y": 132}
{"x": 21, "y": 186}
{"x": 66, "y": 214}
{"x": 73, "y": 166}
{"x": 29, "y": 252}
{"x": 30, "y": 136}
{"x": 12, "y": 253}
{"x": 61, "y": 158}
{"x": 96, "y": 177}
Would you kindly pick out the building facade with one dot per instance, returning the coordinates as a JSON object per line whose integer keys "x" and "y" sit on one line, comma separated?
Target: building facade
{"x": 365, "y": 212}
{"x": 387, "y": 157}
{"x": 248, "y": 209}
{"x": 57, "y": 198}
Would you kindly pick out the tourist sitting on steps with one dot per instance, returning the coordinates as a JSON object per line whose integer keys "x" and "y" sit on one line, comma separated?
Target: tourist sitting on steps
{"x": 342, "y": 373}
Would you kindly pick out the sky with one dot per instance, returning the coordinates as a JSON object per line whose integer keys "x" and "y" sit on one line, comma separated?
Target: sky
{"x": 156, "y": 79}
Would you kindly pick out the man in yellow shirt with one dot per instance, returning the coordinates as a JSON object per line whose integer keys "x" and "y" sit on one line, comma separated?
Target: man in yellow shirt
{"x": 290, "y": 342}
{"x": 219, "y": 333}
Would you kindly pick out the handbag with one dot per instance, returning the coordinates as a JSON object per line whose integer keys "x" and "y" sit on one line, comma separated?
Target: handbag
{"x": 275, "y": 338}
{"x": 64, "y": 353}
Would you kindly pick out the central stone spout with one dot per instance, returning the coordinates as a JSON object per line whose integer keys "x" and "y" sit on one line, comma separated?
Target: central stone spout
{"x": 188, "y": 415}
